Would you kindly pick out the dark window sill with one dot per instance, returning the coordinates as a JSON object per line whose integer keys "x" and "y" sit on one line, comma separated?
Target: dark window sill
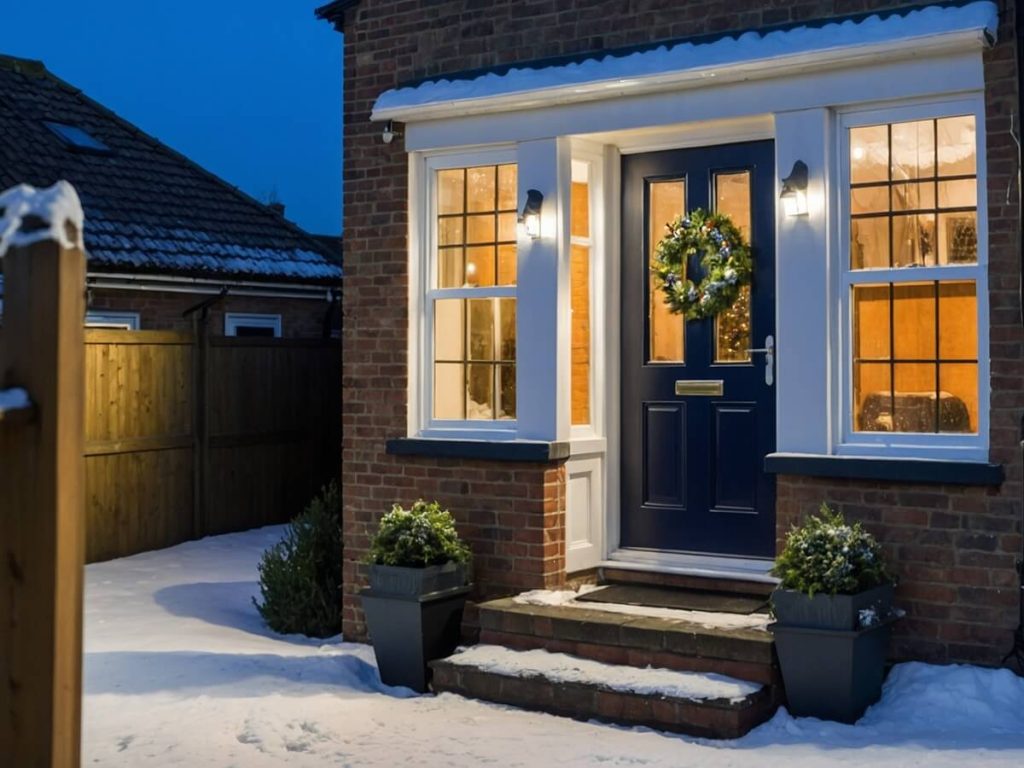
{"x": 896, "y": 470}
{"x": 480, "y": 450}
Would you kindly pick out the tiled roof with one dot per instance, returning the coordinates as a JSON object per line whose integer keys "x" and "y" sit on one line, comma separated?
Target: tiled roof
{"x": 148, "y": 209}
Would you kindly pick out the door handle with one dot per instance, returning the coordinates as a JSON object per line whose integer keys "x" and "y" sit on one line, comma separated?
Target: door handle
{"x": 769, "y": 358}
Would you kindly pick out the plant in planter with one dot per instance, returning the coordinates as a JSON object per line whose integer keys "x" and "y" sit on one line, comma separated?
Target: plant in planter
{"x": 833, "y": 612}
{"x": 418, "y": 575}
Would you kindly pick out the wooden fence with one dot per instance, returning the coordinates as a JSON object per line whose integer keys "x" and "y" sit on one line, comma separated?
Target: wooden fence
{"x": 185, "y": 440}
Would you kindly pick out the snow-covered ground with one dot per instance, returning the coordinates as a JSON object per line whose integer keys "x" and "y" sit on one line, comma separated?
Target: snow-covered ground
{"x": 180, "y": 671}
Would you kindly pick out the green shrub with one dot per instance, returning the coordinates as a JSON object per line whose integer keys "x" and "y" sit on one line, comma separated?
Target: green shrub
{"x": 828, "y": 555}
{"x": 418, "y": 537}
{"x": 300, "y": 576}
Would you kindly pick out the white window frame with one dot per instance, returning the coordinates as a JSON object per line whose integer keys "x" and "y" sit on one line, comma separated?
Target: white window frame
{"x": 592, "y": 156}
{"x": 948, "y": 446}
{"x": 123, "y": 321}
{"x": 422, "y": 294}
{"x": 234, "y": 320}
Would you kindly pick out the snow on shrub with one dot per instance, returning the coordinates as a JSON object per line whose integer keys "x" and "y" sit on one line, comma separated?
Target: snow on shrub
{"x": 300, "y": 576}
{"x": 827, "y": 554}
{"x": 418, "y": 537}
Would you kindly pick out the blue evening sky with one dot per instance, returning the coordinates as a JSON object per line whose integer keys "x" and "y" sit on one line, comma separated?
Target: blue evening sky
{"x": 250, "y": 90}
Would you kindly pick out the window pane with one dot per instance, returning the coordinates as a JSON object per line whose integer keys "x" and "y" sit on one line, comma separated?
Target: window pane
{"x": 507, "y": 191}
{"x": 579, "y": 285}
{"x": 914, "y": 397}
{"x": 480, "y": 229}
{"x": 580, "y": 222}
{"x": 958, "y": 238}
{"x": 507, "y": 330}
{"x": 732, "y": 327}
{"x": 480, "y": 316}
{"x": 958, "y": 321}
{"x": 869, "y": 199}
{"x": 450, "y": 191}
{"x": 958, "y": 404}
{"x": 871, "y": 322}
{"x": 913, "y": 197}
{"x": 481, "y": 192}
{"x": 869, "y": 154}
{"x": 913, "y": 150}
{"x": 506, "y": 391}
{"x": 448, "y": 330}
{"x": 957, "y": 146}
{"x": 480, "y": 266}
{"x": 913, "y": 240}
{"x": 449, "y": 230}
{"x": 507, "y": 227}
{"x": 914, "y": 321}
{"x": 449, "y": 391}
{"x": 872, "y": 396}
{"x": 869, "y": 243}
{"x": 667, "y": 200}
{"x": 449, "y": 268}
{"x": 506, "y": 265}
{"x": 480, "y": 391}
{"x": 962, "y": 193}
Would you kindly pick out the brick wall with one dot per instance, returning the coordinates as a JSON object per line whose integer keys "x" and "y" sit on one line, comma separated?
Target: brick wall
{"x": 162, "y": 311}
{"x": 954, "y": 544}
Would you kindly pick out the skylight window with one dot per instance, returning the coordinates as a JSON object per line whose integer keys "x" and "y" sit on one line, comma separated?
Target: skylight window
{"x": 76, "y": 138}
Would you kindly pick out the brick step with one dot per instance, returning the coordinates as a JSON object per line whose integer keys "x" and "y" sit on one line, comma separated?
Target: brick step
{"x": 629, "y": 639}
{"x": 674, "y": 703}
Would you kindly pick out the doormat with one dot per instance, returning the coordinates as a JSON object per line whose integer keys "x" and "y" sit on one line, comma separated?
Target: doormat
{"x": 679, "y": 599}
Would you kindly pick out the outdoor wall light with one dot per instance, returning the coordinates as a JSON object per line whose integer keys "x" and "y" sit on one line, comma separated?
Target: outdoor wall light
{"x": 530, "y": 218}
{"x": 794, "y": 190}
{"x": 389, "y": 132}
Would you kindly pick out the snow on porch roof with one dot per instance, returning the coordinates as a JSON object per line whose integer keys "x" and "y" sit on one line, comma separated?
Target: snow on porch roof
{"x": 694, "y": 62}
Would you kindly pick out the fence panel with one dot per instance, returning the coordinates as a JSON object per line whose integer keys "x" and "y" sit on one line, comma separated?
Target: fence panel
{"x": 181, "y": 444}
{"x": 139, "y": 441}
{"x": 274, "y": 412}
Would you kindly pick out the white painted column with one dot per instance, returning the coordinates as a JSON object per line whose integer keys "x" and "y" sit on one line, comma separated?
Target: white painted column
{"x": 804, "y": 270}
{"x": 543, "y": 311}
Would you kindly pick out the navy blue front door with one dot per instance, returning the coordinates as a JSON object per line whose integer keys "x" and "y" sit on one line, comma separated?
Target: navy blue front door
{"x": 698, "y": 408}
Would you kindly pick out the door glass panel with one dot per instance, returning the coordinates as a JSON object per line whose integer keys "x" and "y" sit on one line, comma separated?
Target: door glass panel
{"x": 667, "y": 201}
{"x": 732, "y": 327}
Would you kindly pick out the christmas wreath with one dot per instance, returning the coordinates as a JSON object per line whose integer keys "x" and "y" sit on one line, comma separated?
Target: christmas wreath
{"x": 724, "y": 256}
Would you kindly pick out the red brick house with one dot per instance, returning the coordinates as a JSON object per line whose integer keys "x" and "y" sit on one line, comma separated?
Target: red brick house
{"x": 529, "y": 377}
{"x": 163, "y": 234}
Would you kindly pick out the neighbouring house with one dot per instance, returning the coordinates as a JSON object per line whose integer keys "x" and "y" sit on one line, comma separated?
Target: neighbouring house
{"x": 163, "y": 235}
{"x": 524, "y": 372}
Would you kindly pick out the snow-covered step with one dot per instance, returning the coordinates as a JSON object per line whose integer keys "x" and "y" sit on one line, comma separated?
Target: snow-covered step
{"x": 732, "y": 645}
{"x": 698, "y": 704}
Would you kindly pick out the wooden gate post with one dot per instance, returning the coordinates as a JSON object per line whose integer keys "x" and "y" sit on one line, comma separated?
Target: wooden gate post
{"x": 42, "y": 494}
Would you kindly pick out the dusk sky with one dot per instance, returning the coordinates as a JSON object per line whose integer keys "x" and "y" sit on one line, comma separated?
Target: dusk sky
{"x": 249, "y": 90}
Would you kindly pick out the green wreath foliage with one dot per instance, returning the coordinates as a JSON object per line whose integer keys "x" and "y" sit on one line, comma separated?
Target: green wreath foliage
{"x": 724, "y": 257}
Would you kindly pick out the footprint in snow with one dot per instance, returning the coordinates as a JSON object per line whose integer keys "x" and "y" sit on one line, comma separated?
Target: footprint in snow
{"x": 124, "y": 742}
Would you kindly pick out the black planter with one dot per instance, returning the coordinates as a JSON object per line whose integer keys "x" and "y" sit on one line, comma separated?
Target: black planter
{"x": 832, "y": 674}
{"x": 412, "y": 620}
{"x": 795, "y": 609}
{"x": 394, "y": 580}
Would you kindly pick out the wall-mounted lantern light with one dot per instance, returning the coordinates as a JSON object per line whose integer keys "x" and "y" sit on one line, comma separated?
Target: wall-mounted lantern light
{"x": 794, "y": 190}
{"x": 530, "y": 218}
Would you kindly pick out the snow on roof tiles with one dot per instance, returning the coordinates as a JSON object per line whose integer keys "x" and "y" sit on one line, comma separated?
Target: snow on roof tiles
{"x": 147, "y": 208}
{"x": 616, "y": 66}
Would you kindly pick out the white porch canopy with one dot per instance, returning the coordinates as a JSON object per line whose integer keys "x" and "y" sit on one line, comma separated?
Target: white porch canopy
{"x": 898, "y": 35}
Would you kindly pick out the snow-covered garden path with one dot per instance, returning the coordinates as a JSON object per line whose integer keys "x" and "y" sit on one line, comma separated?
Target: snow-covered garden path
{"x": 179, "y": 670}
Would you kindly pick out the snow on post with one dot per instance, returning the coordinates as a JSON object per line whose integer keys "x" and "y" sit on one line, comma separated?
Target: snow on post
{"x": 29, "y": 215}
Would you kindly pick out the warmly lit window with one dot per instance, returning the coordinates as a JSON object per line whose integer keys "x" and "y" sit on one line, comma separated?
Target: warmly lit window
{"x": 580, "y": 269}
{"x": 913, "y": 274}
{"x": 473, "y": 295}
